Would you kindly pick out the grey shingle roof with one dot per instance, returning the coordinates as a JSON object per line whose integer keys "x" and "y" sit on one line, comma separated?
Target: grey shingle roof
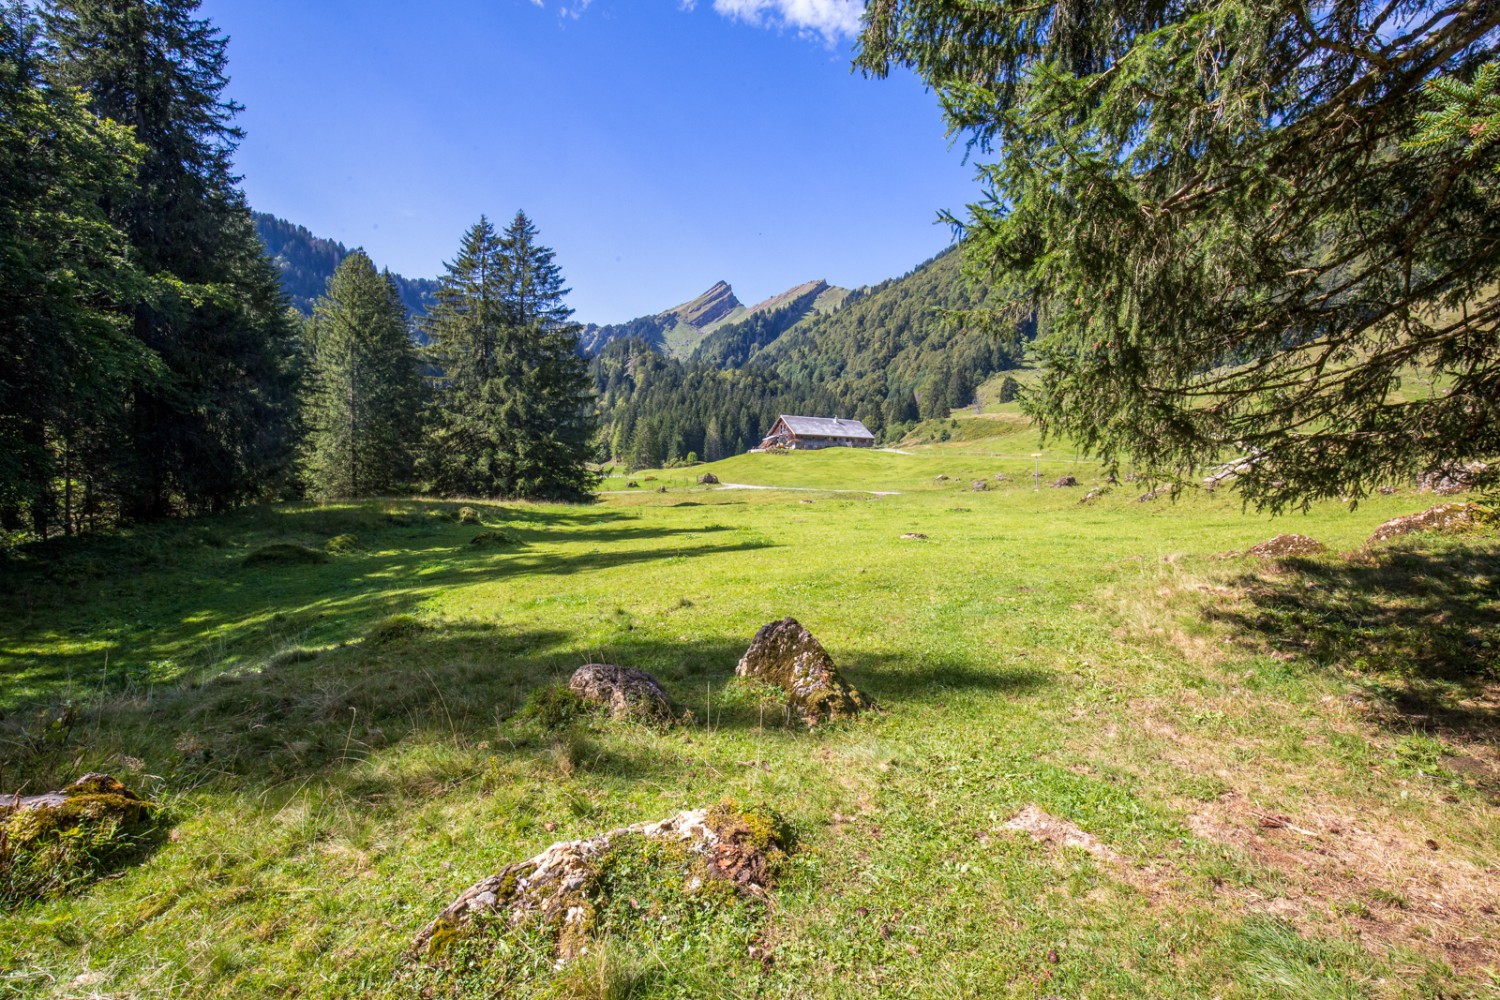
{"x": 826, "y": 427}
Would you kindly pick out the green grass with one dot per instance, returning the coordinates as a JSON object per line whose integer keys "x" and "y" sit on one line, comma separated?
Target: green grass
{"x": 336, "y": 745}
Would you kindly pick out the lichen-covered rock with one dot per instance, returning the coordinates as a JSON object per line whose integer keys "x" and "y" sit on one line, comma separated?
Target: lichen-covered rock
{"x": 51, "y": 842}
{"x": 787, "y": 655}
{"x": 1064, "y": 483}
{"x": 1455, "y": 477}
{"x": 568, "y": 888}
{"x": 628, "y": 693}
{"x": 708, "y": 479}
{"x": 1286, "y": 545}
{"x": 1446, "y": 519}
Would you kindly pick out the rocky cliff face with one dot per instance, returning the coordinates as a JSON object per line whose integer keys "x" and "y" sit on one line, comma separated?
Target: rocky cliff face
{"x": 714, "y": 305}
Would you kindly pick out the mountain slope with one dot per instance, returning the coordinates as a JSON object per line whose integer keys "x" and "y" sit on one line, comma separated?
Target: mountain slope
{"x": 306, "y": 262}
{"x": 682, "y": 330}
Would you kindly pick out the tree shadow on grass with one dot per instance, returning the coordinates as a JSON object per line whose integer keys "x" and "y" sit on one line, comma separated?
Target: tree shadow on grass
{"x": 312, "y": 713}
{"x": 1420, "y": 626}
{"x": 144, "y": 622}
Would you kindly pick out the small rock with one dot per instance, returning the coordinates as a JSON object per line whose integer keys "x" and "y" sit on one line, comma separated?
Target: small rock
{"x": 940, "y": 479}
{"x": 1286, "y": 545}
{"x": 787, "y": 655}
{"x": 915, "y": 536}
{"x": 980, "y": 485}
{"x": 1454, "y": 477}
{"x": 632, "y": 485}
{"x": 1064, "y": 482}
{"x": 708, "y": 479}
{"x": 627, "y": 692}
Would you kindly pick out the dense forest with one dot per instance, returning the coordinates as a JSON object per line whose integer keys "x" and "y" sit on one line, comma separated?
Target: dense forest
{"x": 153, "y": 367}
{"x": 306, "y": 263}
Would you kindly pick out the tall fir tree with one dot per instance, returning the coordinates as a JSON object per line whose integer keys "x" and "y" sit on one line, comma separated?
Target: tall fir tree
{"x": 558, "y": 420}
{"x": 64, "y": 272}
{"x": 364, "y": 404}
{"x": 220, "y": 427}
{"x": 513, "y": 397}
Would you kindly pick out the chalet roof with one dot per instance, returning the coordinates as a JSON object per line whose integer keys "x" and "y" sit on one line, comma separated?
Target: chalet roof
{"x": 826, "y": 427}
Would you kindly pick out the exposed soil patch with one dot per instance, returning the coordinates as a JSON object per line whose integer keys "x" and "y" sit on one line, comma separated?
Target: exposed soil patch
{"x": 1385, "y": 884}
{"x": 1045, "y": 828}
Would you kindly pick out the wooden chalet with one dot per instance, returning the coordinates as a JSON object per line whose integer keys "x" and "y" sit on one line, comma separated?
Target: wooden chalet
{"x": 810, "y": 433}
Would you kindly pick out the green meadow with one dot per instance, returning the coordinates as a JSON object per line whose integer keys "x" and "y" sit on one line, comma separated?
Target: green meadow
{"x": 1284, "y": 774}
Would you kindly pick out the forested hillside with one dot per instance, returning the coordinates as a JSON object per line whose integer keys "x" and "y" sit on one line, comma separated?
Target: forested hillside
{"x": 306, "y": 262}
{"x": 890, "y": 355}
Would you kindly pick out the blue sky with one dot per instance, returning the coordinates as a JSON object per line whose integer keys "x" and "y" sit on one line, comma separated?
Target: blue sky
{"x": 660, "y": 145}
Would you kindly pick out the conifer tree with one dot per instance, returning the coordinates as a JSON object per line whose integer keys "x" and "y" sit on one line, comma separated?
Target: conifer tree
{"x": 363, "y": 408}
{"x": 219, "y": 427}
{"x": 66, "y": 346}
{"x": 513, "y": 397}
{"x": 558, "y": 422}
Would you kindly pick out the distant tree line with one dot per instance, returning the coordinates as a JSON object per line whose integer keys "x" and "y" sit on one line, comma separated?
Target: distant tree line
{"x": 149, "y": 363}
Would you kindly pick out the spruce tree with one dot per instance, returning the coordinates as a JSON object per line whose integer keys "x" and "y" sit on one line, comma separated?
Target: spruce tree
{"x": 67, "y": 350}
{"x": 219, "y": 427}
{"x": 558, "y": 422}
{"x": 1251, "y": 232}
{"x": 363, "y": 408}
{"x": 513, "y": 414}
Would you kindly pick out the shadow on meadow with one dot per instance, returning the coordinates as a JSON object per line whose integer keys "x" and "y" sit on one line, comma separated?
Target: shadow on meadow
{"x": 1421, "y": 626}
{"x": 165, "y": 604}
{"x": 314, "y": 712}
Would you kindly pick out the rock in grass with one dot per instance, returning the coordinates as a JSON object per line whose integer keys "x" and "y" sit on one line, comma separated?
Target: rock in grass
{"x": 1064, "y": 482}
{"x": 695, "y": 859}
{"x": 628, "y": 693}
{"x": 341, "y": 544}
{"x": 1455, "y": 477}
{"x": 787, "y": 655}
{"x": 57, "y": 841}
{"x": 980, "y": 485}
{"x": 1286, "y": 545}
{"x": 492, "y": 539}
{"x": 1444, "y": 519}
{"x": 468, "y": 515}
{"x": 914, "y": 536}
{"x": 393, "y": 629}
{"x": 285, "y": 554}
{"x": 708, "y": 479}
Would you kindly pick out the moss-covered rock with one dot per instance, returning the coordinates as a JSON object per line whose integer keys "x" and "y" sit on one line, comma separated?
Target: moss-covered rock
{"x": 340, "y": 545}
{"x": 468, "y": 515}
{"x": 393, "y": 629}
{"x": 787, "y": 655}
{"x": 57, "y": 842}
{"x": 286, "y": 554}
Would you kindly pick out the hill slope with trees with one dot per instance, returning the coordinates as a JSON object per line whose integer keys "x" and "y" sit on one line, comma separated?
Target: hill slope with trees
{"x": 306, "y": 262}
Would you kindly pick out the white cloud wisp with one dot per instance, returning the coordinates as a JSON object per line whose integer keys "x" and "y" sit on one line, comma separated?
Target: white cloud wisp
{"x": 833, "y": 19}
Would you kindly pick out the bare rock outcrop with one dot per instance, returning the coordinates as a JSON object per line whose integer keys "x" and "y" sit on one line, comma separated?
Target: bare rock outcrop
{"x": 1455, "y": 477}
{"x": 787, "y": 655}
{"x": 1444, "y": 519}
{"x": 1286, "y": 545}
{"x": 566, "y": 888}
{"x": 628, "y": 693}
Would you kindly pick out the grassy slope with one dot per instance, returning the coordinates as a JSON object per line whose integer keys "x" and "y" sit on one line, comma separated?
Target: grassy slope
{"x": 1090, "y": 660}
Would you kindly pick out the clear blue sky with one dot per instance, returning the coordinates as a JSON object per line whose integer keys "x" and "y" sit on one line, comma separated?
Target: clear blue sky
{"x": 660, "y": 145}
